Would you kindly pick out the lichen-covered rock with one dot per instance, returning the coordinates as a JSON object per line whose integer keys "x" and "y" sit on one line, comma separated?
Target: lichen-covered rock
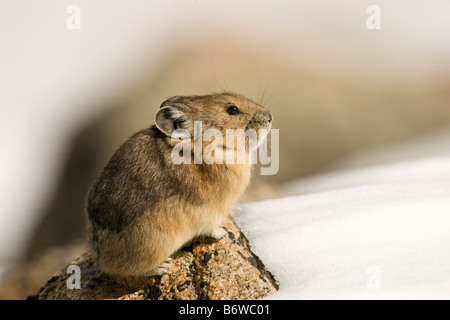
{"x": 204, "y": 269}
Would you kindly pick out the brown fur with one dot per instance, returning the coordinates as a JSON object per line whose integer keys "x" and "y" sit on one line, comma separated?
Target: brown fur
{"x": 143, "y": 207}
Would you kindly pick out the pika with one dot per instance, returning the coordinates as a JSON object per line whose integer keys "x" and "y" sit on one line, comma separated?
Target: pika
{"x": 143, "y": 207}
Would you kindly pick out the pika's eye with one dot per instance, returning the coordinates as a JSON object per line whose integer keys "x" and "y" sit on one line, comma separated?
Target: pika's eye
{"x": 233, "y": 110}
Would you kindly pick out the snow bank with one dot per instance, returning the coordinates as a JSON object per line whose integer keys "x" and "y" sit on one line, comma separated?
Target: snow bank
{"x": 388, "y": 241}
{"x": 379, "y": 232}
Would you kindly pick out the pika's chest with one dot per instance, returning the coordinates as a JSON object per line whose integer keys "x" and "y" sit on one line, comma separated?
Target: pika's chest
{"x": 225, "y": 188}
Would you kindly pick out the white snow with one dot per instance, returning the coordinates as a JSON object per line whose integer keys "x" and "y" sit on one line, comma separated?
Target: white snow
{"x": 379, "y": 232}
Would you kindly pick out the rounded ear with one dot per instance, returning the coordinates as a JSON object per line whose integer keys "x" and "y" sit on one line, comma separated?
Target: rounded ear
{"x": 170, "y": 118}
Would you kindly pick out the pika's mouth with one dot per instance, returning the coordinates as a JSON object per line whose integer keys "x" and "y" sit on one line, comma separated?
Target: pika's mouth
{"x": 260, "y": 121}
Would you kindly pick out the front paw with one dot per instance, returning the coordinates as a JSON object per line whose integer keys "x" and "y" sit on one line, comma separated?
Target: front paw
{"x": 219, "y": 233}
{"x": 162, "y": 269}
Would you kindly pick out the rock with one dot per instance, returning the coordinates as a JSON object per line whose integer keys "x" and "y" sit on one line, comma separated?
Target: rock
{"x": 204, "y": 269}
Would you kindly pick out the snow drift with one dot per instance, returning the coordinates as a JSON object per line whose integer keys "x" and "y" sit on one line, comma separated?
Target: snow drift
{"x": 379, "y": 232}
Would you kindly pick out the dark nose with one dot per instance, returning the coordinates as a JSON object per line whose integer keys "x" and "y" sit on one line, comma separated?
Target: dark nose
{"x": 270, "y": 118}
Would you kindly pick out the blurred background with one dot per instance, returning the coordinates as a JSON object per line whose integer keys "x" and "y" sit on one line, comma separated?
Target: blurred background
{"x": 68, "y": 98}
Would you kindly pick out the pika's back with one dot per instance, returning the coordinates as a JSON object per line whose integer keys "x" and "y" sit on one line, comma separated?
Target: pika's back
{"x": 135, "y": 176}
